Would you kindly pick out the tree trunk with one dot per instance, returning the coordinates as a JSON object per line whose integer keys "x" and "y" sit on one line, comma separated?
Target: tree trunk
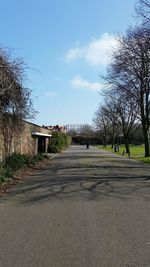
{"x": 8, "y": 129}
{"x": 126, "y": 139}
{"x": 104, "y": 140}
{"x": 113, "y": 137}
{"x": 146, "y": 142}
{"x": 145, "y": 127}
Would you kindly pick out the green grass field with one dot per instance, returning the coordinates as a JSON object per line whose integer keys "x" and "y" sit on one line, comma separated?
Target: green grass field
{"x": 136, "y": 152}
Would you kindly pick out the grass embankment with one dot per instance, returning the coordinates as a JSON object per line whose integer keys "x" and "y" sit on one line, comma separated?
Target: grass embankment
{"x": 136, "y": 152}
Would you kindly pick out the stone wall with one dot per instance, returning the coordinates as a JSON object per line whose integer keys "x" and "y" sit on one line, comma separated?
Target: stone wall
{"x": 24, "y": 142}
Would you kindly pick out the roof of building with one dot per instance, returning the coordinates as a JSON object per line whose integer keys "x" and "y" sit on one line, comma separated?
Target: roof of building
{"x": 41, "y": 134}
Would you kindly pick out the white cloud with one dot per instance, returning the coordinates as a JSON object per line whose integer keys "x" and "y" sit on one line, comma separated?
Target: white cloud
{"x": 98, "y": 51}
{"x": 79, "y": 83}
{"x": 51, "y": 94}
{"x": 74, "y": 53}
{"x": 95, "y": 53}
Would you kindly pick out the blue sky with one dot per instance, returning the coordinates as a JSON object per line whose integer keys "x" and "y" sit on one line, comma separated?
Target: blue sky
{"x": 66, "y": 44}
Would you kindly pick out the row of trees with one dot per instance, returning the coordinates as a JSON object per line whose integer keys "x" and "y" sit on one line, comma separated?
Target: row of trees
{"x": 15, "y": 99}
{"x": 127, "y": 97}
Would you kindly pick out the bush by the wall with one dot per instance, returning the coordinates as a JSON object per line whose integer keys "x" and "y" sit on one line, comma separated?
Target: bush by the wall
{"x": 5, "y": 173}
{"x": 58, "y": 142}
{"x": 17, "y": 161}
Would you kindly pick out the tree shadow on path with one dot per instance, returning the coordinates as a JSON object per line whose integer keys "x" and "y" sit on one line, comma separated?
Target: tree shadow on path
{"x": 89, "y": 177}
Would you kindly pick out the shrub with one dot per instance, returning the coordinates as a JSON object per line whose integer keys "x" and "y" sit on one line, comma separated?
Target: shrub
{"x": 17, "y": 161}
{"x": 58, "y": 142}
{"x": 5, "y": 173}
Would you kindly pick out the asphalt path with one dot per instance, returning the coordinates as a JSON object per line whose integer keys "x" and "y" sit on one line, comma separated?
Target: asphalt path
{"x": 88, "y": 208}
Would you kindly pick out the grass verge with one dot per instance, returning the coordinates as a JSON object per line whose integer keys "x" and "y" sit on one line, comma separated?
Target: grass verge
{"x": 136, "y": 152}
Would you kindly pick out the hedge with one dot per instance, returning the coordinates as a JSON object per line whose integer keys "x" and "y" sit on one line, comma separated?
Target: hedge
{"x": 58, "y": 142}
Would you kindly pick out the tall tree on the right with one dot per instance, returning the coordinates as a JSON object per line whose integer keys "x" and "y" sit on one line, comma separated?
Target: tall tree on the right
{"x": 129, "y": 72}
{"x": 143, "y": 11}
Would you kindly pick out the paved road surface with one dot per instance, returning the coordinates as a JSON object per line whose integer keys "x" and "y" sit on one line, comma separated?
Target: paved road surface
{"x": 89, "y": 208}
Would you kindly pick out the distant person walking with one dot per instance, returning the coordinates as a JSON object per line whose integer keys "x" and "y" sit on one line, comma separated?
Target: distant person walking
{"x": 87, "y": 144}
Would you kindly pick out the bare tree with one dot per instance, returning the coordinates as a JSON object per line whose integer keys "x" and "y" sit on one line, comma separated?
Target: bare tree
{"x": 102, "y": 123}
{"x": 126, "y": 110}
{"x": 143, "y": 11}
{"x": 121, "y": 114}
{"x": 15, "y": 100}
{"x": 129, "y": 72}
{"x": 111, "y": 112}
